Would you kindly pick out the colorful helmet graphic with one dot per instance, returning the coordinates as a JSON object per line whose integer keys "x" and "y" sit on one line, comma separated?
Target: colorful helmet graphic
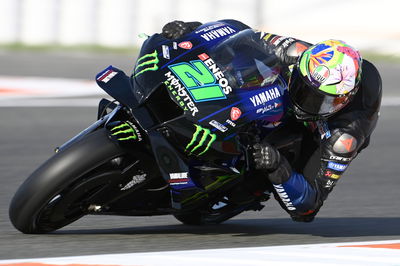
{"x": 325, "y": 79}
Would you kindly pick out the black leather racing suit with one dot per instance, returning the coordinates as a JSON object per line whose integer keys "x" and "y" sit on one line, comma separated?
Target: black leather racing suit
{"x": 327, "y": 147}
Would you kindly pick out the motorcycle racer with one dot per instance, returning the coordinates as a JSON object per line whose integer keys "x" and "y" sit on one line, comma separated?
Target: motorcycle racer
{"x": 335, "y": 97}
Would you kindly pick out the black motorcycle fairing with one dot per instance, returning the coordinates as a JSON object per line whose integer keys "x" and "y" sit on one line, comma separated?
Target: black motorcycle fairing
{"x": 158, "y": 52}
{"x": 179, "y": 136}
{"x": 148, "y": 62}
{"x": 119, "y": 113}
{"x": 117, "y": 84}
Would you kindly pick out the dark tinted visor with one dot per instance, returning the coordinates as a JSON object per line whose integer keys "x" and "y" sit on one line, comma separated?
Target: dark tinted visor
{"x": 312, "y": 101}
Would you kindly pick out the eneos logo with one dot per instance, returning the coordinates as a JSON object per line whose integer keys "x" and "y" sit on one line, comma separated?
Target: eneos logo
{"x": 202, "y": 84}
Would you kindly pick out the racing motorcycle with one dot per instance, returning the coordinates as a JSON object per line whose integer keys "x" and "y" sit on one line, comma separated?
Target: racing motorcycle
{"x": 175, "y": 141}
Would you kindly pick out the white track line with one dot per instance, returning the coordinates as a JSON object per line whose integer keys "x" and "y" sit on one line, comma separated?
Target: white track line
{"x": 316, "y": 254}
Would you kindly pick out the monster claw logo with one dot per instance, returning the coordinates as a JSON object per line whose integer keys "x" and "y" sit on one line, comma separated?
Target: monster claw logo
{"x": 148, "y": 62}
{"x": 206, "y": 139}
{"x": 125, "y": 131}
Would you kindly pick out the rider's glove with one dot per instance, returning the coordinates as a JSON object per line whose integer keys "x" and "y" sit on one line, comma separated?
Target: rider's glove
{"x": 177, "y": 28}
{"x": 266, "y": 157}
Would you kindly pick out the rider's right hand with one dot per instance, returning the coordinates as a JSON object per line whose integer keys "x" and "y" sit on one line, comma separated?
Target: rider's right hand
{"x": 265, "y": 157}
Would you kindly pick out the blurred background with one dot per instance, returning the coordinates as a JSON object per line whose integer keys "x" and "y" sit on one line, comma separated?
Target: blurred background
{"x": 366, "y": 24}
{"x": 50, "y": 52}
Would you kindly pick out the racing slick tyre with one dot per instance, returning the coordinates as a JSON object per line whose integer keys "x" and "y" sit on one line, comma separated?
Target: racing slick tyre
{"x": 45, "y": 201}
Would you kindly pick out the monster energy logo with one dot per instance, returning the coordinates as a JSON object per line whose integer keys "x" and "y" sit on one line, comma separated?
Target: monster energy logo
{"x": 148, "y": 62}
{"x": 206, "y": 139}
{"x": 126, "y": 131}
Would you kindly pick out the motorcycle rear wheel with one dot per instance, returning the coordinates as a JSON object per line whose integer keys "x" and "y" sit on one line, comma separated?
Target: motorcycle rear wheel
{"x": 42, "y": 203}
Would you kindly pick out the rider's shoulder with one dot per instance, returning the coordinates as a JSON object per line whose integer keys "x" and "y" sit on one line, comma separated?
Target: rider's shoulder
{"x": 368, "y": 97}
{"x": 371, "y": 81}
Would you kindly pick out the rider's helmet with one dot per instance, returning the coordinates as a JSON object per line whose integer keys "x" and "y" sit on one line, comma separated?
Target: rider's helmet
{"x": 325, "y": 79}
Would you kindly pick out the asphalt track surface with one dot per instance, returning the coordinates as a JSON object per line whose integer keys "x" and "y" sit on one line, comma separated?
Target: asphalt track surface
{"x": 364, "y": 206}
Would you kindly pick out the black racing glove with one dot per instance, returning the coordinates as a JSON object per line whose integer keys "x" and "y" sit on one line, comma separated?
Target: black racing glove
{"x": 266, "y": 157}
{"x": 177, "y": 29}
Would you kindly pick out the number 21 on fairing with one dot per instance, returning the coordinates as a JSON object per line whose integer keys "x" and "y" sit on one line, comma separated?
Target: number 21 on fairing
{"x": 199, "y": 81}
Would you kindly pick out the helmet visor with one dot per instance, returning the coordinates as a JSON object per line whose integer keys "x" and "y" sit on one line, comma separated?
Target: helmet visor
{"x": 314, "y": 102}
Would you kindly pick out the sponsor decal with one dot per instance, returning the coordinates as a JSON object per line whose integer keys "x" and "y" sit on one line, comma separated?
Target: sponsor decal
{"x": 203, "y": 80}
{"x": 284, "y": 197}
{"x": 287, "y": 42}
{"x": 175, "y": 45}
{"x": 338, "y": 158}
{"x": 229, "y": 122}
{"x": 126, "y": 131}
{"x": 320, "y": 73}
{"x": 147, "y": 62}
{"x": 323, "y": 129}
{"x": 265, "y": 96}
{"x": 136, "y": 179}
{"x": 328, "y": 173}
{"x": 179, "y": 92}
{"x": 218, "y": 126}
{"x": 203, "y": 56}
{"x": 106, "y": 76}
{"x": 264, "y": 35}
{"x": 345, "y": 144}
{"x": 277, "y": 39}
{"x": 186, "y": 45}
{"x": 267, "y": 108}
{"x": 337, "y": 166}
{"x": 235, "y": 113}
{"x": 165, "y": 50}
{"x": 219, "y": 75}
{"x": 335, "y": 176}
{"x": 218, "y": 33}
{"x": 208, "y": 28}
{"x": 348, "y": 144}
{"x": 330, "y": 184}
{"x": 179, "y": 178}
{"x": 201, "y": 141}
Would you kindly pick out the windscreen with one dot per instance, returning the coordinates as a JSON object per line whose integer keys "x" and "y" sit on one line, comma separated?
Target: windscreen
{"x": 246, "y": 61}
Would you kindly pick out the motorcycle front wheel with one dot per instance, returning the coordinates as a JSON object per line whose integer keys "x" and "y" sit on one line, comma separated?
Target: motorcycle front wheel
{"x": 46, "y": 202}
